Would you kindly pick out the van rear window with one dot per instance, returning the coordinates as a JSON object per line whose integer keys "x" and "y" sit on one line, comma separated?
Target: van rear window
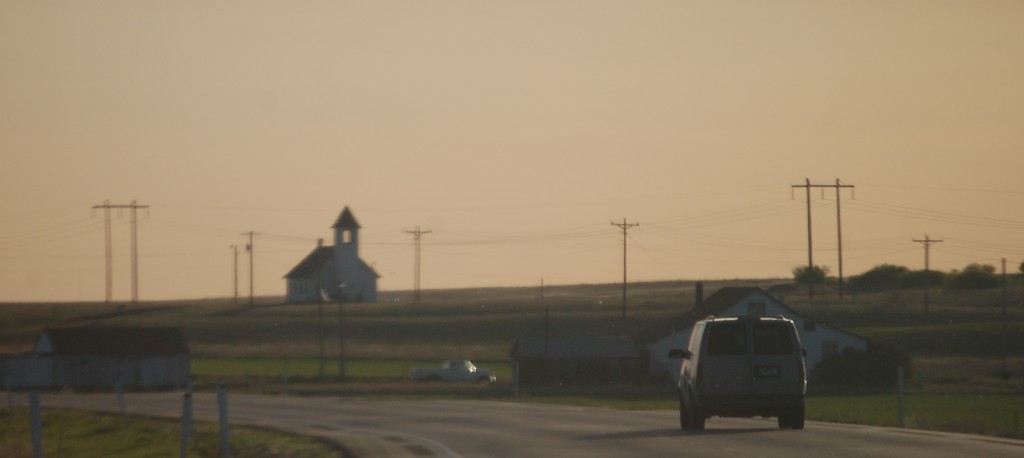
{"x": 727, "y": 339}
{"x": 772, "y": 339}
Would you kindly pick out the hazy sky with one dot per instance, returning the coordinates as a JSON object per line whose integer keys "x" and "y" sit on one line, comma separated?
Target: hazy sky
{"x": 515, "y": 131}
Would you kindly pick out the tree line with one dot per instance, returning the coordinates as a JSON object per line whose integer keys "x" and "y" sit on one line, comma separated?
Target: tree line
{"x": 887, "y": 277}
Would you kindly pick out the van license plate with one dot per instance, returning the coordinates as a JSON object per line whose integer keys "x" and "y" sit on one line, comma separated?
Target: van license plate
{"x": 768, "y": 371}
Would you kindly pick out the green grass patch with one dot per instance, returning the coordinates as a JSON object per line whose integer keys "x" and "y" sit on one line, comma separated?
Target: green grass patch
{"x": 994, "y": 415}
{"x": 87, "y": 435}
{"x": 308, "y": 368}
{"x": 954, "y": 339}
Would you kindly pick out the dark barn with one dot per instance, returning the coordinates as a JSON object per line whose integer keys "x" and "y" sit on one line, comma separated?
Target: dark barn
{"x": 99, "y": 358}
{"x": 595, "y": 360}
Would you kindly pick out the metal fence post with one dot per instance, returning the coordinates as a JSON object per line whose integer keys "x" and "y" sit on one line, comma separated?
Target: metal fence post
{"x": 225, "y": 435}
{"x": 120, "y": 401}
{"x": 515, "y": 379}
{"x": 899, "y": 395}
{"x": 10, "y": 394}
{"x": 186, "y": 423}
{"x": 284, "y": 376}
{"x": 37, "y": 424}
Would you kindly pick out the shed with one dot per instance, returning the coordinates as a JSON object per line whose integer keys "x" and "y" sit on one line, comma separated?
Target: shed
{"x": 96, "y": 358}
{"x": 586, "y": 360}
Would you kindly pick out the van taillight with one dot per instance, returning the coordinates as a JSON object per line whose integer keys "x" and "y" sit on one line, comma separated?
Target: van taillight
{"x": 700, "y": 373}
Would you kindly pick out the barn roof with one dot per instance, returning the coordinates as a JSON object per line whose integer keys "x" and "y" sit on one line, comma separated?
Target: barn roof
{"x": 148, "y": 341}
{"x": 346, "y": 220}
{"x": 313, "y": 261}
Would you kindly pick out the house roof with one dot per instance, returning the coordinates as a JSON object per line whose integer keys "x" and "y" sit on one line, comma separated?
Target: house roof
{"x": 346, "y": 220}
{"x": 715, "y": 304}
{"x": 586, "y": 347}
{"x": 311, "y": 262}
{"x": 119, "y": 342}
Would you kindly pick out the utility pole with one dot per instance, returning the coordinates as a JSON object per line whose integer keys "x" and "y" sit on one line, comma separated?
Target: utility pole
{"x": 234, "y": 248}
{"x": 547, "y": 327}
{"x": 135, "y": 251}
{"x": 417, "y": 234}
{"x": 927, "y": 243}
{"x": 249, "y": 247}
{"x": 625, "y": 228}
{"x": 109, "y": 255}
{"x": 810, "y": 242}
{"x": 1006, "y": 370}
{"x": 133, "y": 206}
{"x": 839, "y": 229}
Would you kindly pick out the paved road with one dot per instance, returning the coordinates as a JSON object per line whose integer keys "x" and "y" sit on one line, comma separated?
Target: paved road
{"x": 496, "y": 429}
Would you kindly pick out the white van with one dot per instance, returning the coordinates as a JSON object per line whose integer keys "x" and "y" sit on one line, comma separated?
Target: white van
{"x": 742, "y": 367}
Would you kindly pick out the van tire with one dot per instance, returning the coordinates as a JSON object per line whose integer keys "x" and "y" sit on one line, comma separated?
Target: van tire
{"x": 684, "y": 417}
{"x": 792, "y": 418}
{"x": 697, "y": 419}
{"x": 690, "y": 417}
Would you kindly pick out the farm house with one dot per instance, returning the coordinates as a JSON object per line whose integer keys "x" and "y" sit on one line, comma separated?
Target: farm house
{"x": 98, "y": 358}
{"x": 819, "y": 339}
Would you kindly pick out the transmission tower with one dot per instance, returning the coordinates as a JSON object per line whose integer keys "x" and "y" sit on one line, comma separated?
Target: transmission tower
{"x": 133, "y": 206}
{"x": 839, "y": 230}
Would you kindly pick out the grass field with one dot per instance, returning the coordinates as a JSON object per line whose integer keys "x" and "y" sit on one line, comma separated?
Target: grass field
{"x": 87, "y": 435}
{"x": 994, "y": 415}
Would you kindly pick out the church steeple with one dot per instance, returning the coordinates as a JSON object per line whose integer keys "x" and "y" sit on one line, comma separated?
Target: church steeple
{"x": 346, "y": 238}
{"x": 346, "y": 220}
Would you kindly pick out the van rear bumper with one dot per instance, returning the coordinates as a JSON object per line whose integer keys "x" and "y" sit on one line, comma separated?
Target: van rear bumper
{"x": 749, "y": 405}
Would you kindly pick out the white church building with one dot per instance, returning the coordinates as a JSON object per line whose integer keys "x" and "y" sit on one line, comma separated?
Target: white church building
{"x": 331, "y": 273}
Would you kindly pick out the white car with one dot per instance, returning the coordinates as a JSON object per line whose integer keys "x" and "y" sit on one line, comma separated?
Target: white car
{"x": 454, "y": 370}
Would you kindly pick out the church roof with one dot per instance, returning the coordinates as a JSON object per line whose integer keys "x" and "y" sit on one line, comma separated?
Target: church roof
{"x": 313, "y": 261}
{"x": 346, "y": 220}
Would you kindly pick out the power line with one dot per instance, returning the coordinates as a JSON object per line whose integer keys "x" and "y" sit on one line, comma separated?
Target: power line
{"x": 937, "y": 216}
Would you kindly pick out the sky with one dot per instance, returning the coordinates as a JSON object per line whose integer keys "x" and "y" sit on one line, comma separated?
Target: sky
{"x": 515, "y": 132}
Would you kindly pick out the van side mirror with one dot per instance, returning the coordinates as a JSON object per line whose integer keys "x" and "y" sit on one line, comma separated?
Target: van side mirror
{"x": 679, "y": 353}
